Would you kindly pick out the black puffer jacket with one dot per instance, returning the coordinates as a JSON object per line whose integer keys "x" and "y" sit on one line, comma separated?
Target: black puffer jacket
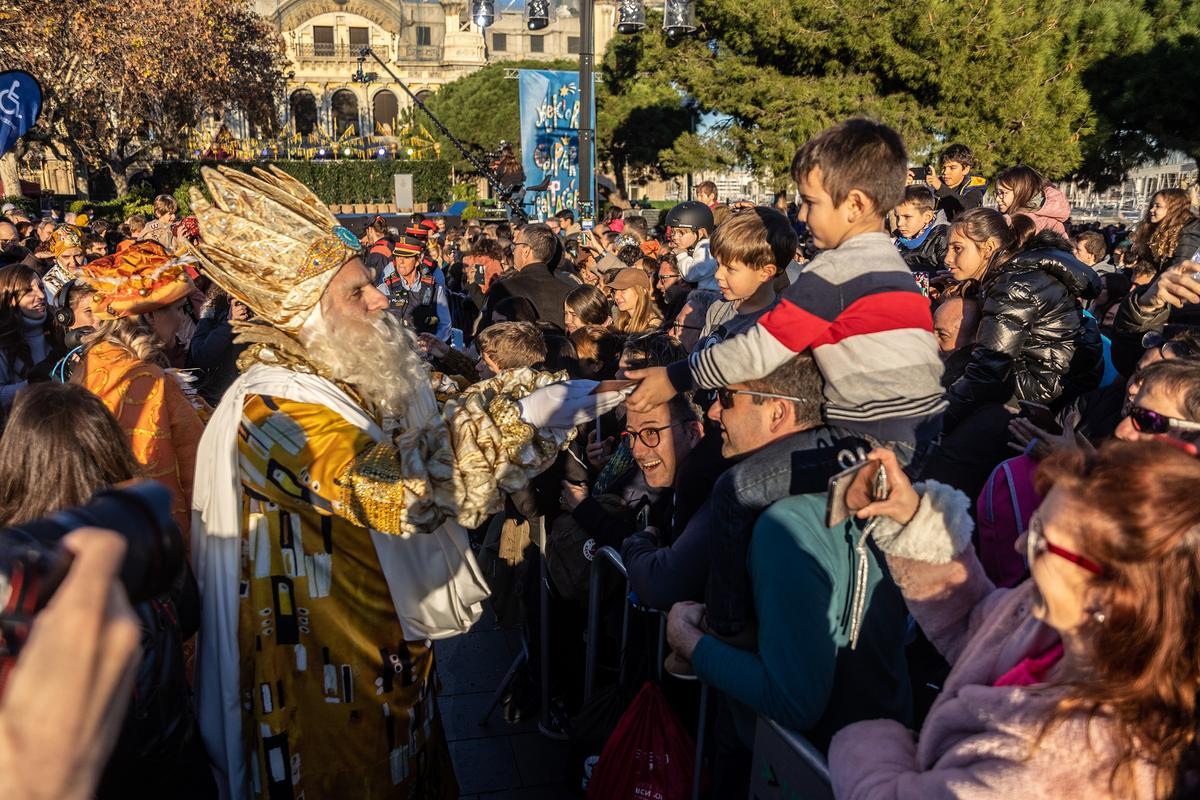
{"x": 929, "y": 255}
{"x": 1033, "y": 343}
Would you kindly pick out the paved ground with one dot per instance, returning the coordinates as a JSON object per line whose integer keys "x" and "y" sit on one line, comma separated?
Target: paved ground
{"x": 498, "y": 761}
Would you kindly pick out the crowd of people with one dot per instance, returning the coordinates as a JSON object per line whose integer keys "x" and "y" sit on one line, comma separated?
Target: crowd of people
{"x": 906, "y": 463}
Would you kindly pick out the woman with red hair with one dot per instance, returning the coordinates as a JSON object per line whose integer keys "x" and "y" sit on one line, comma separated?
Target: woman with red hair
{"x": 1080, "y": 682}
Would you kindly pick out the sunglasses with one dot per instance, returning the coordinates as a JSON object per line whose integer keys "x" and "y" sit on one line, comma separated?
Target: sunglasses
{"x": 725, "y": 396}
{"x": 1037, "y": 545}
{"x": 1146, "y": 421}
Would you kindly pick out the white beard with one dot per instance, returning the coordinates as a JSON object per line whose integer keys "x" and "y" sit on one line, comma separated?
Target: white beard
{"x": 378, "y": 357}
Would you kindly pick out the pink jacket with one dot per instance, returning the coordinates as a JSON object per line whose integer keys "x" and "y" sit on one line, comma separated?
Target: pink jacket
{"x": 1053, "y": 214}
{"x": 976, "y": 743}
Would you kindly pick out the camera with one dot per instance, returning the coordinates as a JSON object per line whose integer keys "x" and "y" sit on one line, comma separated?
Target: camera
{"x": 33, "y": 563}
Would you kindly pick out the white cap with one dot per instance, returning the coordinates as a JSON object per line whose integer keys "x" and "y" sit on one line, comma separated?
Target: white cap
{"x": 7, "y": 207}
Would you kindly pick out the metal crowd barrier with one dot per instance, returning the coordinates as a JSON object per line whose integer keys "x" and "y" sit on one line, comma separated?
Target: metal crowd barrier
{"x": 802, "y": 771}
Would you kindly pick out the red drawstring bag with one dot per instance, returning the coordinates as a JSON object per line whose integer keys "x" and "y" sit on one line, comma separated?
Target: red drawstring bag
{"x": 650, "y": 755}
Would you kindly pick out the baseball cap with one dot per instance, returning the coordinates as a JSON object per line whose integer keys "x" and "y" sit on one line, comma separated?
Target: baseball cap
{"x": 7, "y": 208}
{"x": 628, "y": 278}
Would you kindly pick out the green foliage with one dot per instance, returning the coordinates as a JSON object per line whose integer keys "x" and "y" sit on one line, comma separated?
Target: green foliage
{"x": 480, "y": 109}
{"x": 332, "y": 181}
{"x": 20, "y": 201}
{"x": 639, "y": 114}
{"x": 1002, "y": 76}
{"x": 1147, "y": 92}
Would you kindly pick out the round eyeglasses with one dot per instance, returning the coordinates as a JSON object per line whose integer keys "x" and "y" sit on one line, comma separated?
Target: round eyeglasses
{"x": 651, "y": 436}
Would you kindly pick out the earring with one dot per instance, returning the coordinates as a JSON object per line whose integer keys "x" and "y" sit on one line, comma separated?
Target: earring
{"x": 1099, "y": 617}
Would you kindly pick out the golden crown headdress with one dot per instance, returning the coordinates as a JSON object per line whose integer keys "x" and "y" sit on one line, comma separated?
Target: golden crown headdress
{"x": 268, "y": 241}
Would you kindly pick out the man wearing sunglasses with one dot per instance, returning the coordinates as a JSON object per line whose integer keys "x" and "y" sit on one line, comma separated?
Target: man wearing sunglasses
{"x": 1167, "y": 403}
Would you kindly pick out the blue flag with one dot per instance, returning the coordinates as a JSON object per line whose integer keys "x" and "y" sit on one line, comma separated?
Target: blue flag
{"x": 20, "y": 102}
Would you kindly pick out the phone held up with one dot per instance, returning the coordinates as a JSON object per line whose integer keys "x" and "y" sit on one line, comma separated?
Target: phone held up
{"x": 1041, "y": 415}
{"x": 855, "y": 488}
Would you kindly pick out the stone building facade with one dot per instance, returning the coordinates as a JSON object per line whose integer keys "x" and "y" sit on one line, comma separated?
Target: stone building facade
{"x": 427, "y": 44}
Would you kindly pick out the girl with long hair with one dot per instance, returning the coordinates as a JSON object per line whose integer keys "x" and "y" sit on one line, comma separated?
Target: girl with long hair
{"x": 1034, "y": 341}
{"x": 1022, "y": 190}
{"x": 1169, "y": 232}
{"x": 137, "y": 294}
{"x": 60, "y": 447}
{"x": 636, "y": 309}
{"x": 24, "y": 329}
{"x": 1079, "y": 682}
{"x": 586, "y": 305}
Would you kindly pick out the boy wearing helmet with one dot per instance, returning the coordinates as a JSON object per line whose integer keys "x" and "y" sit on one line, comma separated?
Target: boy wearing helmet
{"x": 689, "y": 226}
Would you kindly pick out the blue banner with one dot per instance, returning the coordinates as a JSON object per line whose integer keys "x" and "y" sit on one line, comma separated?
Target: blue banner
{"x": 20, "y": 102}
{"x": 550, "y": 139}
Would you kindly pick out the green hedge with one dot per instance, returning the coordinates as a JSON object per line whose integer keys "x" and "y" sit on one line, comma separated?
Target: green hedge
{"x": 22, "y": 202}
{"x": 332, "y": 181}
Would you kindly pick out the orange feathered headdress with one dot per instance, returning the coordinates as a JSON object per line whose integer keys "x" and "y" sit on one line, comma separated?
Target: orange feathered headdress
{"x": 140, "y": 278}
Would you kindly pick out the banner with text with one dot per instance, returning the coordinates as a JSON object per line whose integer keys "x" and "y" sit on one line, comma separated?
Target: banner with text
{"x": 550, "y": 140}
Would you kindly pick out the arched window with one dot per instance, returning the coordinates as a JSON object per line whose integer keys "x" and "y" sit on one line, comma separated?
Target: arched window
{"x": 304, "y": 112}
{"x": 424, "y": 95}
{"x": 345, "y": 113}
{"x": 384, "y": 109}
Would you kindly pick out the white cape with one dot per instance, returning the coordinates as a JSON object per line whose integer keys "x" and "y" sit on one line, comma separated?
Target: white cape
{"x": 436, "y": 586}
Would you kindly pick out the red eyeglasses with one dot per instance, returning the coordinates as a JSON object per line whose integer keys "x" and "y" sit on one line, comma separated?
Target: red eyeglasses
{"x": 1037, "y": 544}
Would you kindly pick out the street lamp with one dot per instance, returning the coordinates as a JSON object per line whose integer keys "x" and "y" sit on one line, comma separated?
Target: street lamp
{"x": 483, "y": 12}
{"x": 631, "y": 16}
{"x": 537, "y": 14}
{"x": 679, "y": 18}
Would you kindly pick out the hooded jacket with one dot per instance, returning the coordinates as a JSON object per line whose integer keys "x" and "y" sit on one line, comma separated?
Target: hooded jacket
{"x": 1053, "y": 212}
{"x": 953, "y": 200}
{"x": 929, "y": 255}
{"x": 1034, "y": 342}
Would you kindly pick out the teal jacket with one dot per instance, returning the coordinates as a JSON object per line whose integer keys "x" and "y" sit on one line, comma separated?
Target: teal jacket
{"x": 805, "y": 674}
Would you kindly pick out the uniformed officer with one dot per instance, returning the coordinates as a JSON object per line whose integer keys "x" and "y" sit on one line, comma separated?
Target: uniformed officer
{"x": 409, "y": 289}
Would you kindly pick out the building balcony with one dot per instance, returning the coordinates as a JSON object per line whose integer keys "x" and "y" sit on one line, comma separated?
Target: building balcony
{"x": 308, "y": 51}
{"x": 323, "y": 51}
{"x": 418, "y": 52}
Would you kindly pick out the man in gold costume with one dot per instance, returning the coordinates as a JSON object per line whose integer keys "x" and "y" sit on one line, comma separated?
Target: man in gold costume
{"x": 331, "y": 491}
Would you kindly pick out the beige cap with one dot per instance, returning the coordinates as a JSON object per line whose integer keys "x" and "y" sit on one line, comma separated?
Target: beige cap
{"x": 628, "y": 278}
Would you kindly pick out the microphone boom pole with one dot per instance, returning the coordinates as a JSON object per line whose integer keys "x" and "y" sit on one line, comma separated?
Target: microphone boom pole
{"x": 516, "y": 211}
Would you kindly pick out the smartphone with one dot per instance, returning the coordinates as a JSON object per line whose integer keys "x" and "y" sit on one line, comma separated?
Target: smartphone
{"x": 1041, "y": 415}
{"x": 920, "y": 174}
{"x": 855, "y": 488}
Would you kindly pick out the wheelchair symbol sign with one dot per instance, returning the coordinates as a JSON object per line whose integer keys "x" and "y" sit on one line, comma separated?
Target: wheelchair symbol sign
{"x": 20, "y": 103}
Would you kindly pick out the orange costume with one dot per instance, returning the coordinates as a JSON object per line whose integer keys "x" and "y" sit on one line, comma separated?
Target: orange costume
{"x": 163, "y": 425}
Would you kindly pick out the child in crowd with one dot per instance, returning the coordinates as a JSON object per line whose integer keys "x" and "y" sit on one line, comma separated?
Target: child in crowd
{"x": 509, "y": 345}
{"x": 857, "y": 308}
{"x": 689, "y": 226}
{"x": 958, "y": 189}
{"x": 751, "y": 248}
{"x": 855, "y": 305}
{"x": 921, "y": 236}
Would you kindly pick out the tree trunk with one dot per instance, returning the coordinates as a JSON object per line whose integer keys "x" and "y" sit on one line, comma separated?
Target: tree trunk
{"x": 10, "y": 179}
{"x": 618, "y": 165}
{"x": 118, "y": 170}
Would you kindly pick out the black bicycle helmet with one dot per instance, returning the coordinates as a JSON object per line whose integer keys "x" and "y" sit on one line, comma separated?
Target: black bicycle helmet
{"x": 690, "y": 214}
